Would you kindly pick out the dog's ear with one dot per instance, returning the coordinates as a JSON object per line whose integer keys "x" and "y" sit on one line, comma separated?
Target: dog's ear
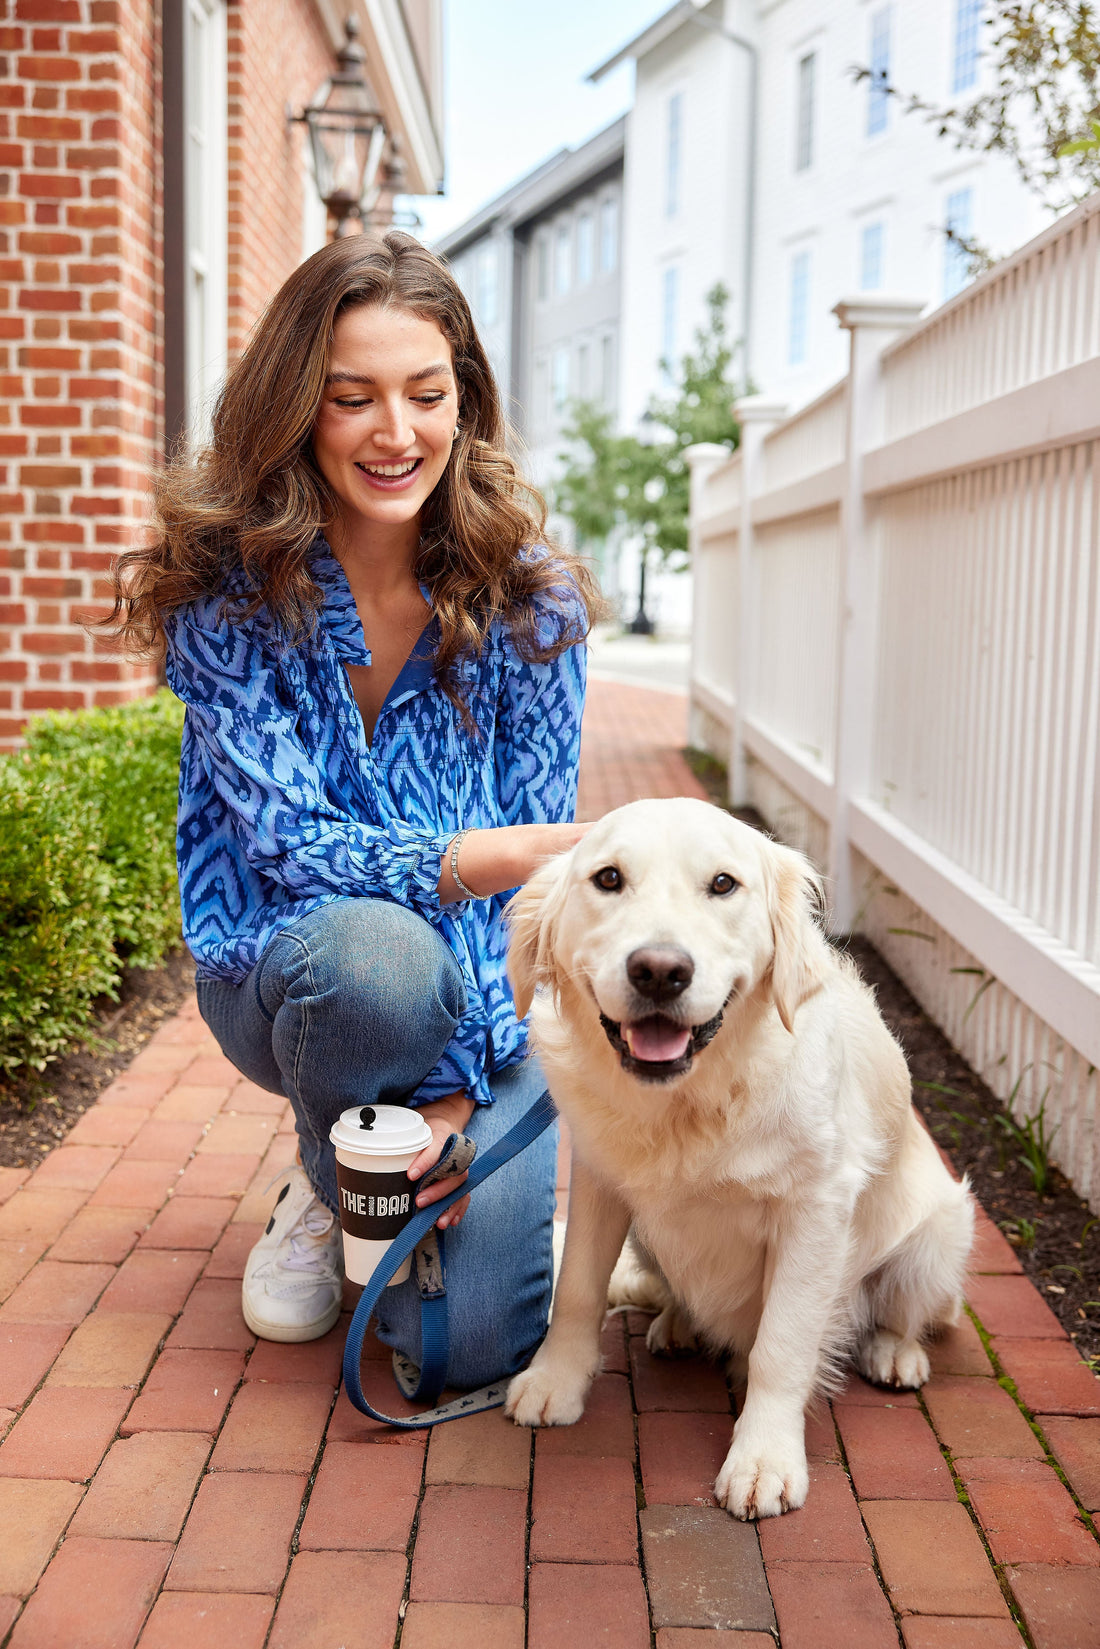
{"x": 800, "y": 960}
{"x": 532, "y": 918}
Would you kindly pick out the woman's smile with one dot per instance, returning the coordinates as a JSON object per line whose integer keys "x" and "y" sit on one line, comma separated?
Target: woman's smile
{"x": 390, "y": 477}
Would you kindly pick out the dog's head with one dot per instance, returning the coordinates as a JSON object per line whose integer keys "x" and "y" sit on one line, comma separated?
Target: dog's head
{"x": 665, "y": 914}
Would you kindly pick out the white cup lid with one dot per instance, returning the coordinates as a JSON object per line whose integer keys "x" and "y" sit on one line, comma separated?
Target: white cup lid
{"x": 394, "y": 1131}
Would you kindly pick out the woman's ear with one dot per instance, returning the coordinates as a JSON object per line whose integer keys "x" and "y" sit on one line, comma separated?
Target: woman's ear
{"x": 532, "y": 918}
{"x": 800, "y": 960}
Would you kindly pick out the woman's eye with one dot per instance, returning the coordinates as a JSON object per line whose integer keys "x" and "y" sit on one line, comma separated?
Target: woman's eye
{"x": 722, "y": 884}
{"x": 609, "y": 879}
{"x": 354, "y": 405}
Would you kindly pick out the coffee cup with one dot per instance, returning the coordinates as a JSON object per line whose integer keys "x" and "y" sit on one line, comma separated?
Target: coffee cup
{"x": 375, "y": 1144}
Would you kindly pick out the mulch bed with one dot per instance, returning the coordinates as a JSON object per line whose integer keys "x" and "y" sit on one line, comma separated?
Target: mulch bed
{"x": 1056, "y": 1236}
{"x": 37, "y": 1110}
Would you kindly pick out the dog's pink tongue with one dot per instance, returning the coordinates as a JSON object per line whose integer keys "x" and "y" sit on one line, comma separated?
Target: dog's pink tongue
{"x": 656, "y": 1040}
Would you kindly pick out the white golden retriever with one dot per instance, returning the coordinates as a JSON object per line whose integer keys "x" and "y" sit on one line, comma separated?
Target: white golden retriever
{"x": 734, "y": 1096}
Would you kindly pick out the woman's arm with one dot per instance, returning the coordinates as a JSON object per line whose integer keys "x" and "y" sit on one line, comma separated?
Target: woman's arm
{"x": 493, "y": 861}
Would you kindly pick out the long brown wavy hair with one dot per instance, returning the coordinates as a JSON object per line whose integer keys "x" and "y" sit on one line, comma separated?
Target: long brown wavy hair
{"x": 241, "y": 514}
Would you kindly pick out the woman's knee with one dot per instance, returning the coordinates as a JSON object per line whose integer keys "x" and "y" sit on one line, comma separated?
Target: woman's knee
{"x": 376, "y": 962}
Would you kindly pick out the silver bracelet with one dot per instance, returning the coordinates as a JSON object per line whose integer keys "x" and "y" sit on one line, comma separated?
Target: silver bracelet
{"x": 467, "y": 892}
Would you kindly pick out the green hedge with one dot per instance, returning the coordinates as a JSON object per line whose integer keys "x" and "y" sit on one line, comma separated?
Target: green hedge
{"x": 87, "y": 867}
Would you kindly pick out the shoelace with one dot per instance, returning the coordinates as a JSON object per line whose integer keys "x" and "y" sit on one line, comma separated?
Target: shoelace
{"x": 308, "y": 1251}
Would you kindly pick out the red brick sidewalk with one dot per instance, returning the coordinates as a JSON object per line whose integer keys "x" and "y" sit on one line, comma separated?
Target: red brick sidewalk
{"x": 165, "y": 1478}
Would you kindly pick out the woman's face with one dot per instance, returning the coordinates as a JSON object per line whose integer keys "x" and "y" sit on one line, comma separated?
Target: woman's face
{"x": 385, "y": 428}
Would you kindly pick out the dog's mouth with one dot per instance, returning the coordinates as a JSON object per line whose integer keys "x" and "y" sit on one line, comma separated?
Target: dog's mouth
{"x": 656, "y": 1048}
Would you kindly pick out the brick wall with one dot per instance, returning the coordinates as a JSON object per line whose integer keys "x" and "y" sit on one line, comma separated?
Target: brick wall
{"x": 82, "y": 301}
{"x": 81, "y": 421}
{"x": 278, "y": 56}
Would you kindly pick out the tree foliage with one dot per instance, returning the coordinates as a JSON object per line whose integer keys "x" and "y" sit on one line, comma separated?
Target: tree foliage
{"x": 609, "y": 481}
{"x": 1044, "y": 94}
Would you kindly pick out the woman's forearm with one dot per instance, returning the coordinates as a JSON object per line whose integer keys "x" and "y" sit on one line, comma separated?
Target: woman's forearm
{"x": 491, "y": 861}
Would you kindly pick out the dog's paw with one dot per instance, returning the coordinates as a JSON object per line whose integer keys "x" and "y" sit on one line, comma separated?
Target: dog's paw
{"x": 888, "y": 1360}
{"x": 763, "y": 1482}
{"x": 541, "y": 1397}
{"x": 671, "y": 1335}
{"x": 632, "y": 1287}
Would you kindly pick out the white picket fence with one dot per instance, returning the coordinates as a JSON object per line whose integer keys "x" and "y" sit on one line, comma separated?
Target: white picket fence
{"x": 896, "y": 647}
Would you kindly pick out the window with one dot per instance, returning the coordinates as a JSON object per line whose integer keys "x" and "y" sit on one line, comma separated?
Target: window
{"x": 670, "y": 304}
{"x": 878, "y": 101}
{"x": 542, "y": 389}
{"x": 560, "y": 380}
{"x": 542, "y": 266}
{"x": 563, "y": 257}
{"x": 870, "y": 257}
{"x": 968, "y": 25}
{"x": 609, "y": 236}
{"x": 799, "y": 310}
{"x": 585, "y": 248}
{"x": 486, "y": 300}
{"x": 804, "y": 132}
{"x": 607, "y": 369}
{"x": 672, "y": 155}
{"x": 960, "y": 221}
{"x": 582, "y": 371}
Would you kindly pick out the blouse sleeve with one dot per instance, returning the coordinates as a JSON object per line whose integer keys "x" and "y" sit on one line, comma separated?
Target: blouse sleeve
{"x": 291, "y": 827}
{"x": 538, "y": 744}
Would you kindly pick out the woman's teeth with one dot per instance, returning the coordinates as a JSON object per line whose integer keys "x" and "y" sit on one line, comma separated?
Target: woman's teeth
{"x": 389, "y": 469}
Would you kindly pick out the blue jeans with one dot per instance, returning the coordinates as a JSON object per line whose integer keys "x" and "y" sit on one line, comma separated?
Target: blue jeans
{"x": 354, "y": 1005}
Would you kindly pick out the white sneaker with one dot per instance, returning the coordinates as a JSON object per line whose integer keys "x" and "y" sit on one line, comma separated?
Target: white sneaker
{"x": 293, "y": 1281}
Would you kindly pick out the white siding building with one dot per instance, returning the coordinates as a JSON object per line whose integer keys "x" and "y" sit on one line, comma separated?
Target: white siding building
{"x": 753, "y": 156}
{"x": 542, "y": 267}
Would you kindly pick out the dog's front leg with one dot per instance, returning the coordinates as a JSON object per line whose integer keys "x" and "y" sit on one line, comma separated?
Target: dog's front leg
{"x": 553, "y": 1390}
{"x": 765, "y": 1472}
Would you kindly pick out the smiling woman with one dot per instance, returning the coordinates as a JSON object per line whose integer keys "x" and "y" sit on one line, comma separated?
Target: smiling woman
{"x": 383, "y": 668}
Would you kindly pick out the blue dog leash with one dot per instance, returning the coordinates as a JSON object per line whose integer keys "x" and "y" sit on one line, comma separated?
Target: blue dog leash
{"x": 427, "y": 1382}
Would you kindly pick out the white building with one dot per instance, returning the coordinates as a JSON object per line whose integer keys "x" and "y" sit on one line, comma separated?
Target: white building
{"x": 541, "y": 266}
{"x": 753, "y": 156}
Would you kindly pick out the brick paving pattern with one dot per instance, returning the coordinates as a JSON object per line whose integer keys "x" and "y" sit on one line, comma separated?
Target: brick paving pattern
{"x": 167, "y": 1480}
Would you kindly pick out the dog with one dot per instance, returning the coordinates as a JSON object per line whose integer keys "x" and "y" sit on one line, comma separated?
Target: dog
{"x": 736, "y": 1103}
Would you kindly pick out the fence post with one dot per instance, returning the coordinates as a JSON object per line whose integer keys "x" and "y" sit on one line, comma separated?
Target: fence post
{"x": 873, "y": 321}
{"x": 758, "y": 416}
{"x": 702, "y": 460}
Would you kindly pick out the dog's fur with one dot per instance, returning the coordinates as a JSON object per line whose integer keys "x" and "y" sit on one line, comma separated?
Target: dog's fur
{"x": 788, "y": 1207}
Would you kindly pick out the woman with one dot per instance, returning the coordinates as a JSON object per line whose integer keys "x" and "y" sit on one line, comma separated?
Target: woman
{"x": 384, "y": 677}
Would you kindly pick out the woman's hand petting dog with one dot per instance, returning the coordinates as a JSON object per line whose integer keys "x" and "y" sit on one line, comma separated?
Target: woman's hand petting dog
{"x": 733, "y": 1095}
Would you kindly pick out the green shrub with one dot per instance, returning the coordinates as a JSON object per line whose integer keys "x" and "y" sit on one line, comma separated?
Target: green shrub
{"x": 125, "y": 761}
{"x": 56, "y": 933}
{"x": 87, "y": 867}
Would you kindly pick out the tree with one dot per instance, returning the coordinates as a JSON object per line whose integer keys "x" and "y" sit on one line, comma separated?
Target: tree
{"x": 611, "y": 481}
{"x": 1045, "y": 95}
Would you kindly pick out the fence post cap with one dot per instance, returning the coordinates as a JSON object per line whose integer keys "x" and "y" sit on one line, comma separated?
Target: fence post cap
{"x": 880, "y": 309}
{"x": 706, "y": 452}
{"x": 759, "y": 409}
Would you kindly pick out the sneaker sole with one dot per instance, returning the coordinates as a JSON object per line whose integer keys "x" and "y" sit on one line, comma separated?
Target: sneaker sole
{"x": 291, "y": 1333}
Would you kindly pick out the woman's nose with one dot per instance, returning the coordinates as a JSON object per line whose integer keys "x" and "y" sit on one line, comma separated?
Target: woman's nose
{"x": 392, "y": 429}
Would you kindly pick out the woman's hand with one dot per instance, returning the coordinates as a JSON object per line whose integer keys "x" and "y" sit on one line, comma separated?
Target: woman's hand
{"x": 444, "y": 1117}
{"x": 492, "y": 861}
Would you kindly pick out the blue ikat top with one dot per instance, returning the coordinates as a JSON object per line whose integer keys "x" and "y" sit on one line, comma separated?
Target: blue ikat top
{"x": 284, "y": 806}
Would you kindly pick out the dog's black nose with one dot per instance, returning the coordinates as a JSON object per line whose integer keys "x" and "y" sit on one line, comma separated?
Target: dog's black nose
{"x": 660, "y": 971}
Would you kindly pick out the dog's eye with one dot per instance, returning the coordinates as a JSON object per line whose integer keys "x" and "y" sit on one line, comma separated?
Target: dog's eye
{"x": 609, "y": 879}
{"x": 722, "y": 884}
